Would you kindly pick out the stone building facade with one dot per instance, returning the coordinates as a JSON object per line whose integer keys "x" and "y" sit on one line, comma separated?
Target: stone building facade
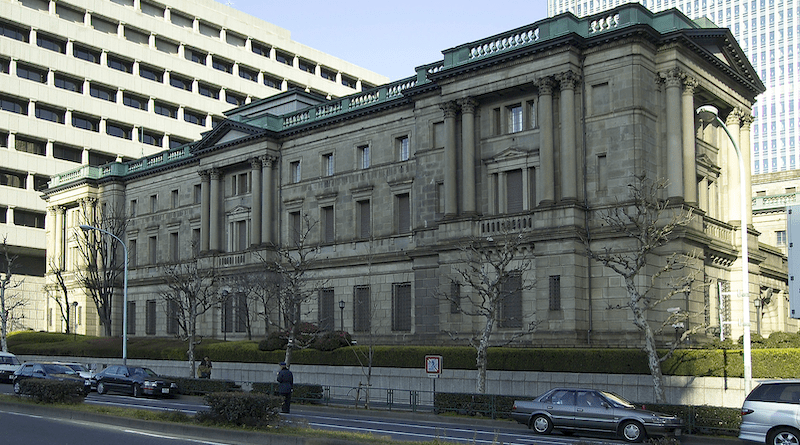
{"x": 539, "y": 129}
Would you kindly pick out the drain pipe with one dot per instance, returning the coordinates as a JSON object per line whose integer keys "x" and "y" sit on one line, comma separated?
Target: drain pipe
{"x": 586, "y": 203}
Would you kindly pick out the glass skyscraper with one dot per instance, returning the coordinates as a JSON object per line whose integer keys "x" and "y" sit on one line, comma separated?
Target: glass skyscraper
{"x": 766, "y": 31}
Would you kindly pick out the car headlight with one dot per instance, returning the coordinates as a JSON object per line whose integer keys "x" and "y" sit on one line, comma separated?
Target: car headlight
{"x": 150, "y": 384}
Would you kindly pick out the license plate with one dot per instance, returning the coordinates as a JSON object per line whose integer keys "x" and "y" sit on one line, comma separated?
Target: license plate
{"x": 165, "y": 390}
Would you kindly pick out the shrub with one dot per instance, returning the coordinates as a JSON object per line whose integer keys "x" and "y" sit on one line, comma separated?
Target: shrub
{"x": 246, "y": 409}
{"x": 273, "y": 342}
{"x": 489, "y": 405}
{"x": 53, "y": 391}
{"x": 194, "y": 386}
{"x": 301, "y": 393}
{"x": 332, "y": 340}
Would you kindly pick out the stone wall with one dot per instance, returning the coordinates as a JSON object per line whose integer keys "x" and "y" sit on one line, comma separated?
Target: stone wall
{"x": 344, "y": 381}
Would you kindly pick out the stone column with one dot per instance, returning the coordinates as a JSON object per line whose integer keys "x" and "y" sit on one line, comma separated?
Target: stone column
{"x": 205, "y": 207}
{"x": 569, "y": 159}
{"x": 689, "y": 151}
{"x": 673, "y": 79}
{"x": 214, "y": 211}
{"x": 732, "y": 122}
{"x": 450, "y": 160}
{"x": 468, "y": 155}
{"x": 547, "y": 180}
{"x": 744, "y": 137}
{"x": 268, "y": 213}
{"x": 702, "y": 199}
{"x": 255, "y": 224}
{"x": 58, "y": 237}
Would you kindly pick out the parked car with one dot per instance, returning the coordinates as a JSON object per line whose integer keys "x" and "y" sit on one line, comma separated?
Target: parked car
{"x": 133, "y": 380}
{"x": 771, "y": 413}
{"x": 80, "y": 368}
{"x": 49, "y": 371}
{"x": 8, "y": 364}
{"x": 578, "y": 409}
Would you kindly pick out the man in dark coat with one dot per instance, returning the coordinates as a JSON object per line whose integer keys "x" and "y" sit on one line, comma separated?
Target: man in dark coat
{"x": 285, "y": 385}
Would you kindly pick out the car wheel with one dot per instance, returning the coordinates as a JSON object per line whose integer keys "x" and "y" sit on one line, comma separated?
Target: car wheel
{"x": 137, "y": 390}
{"x": 101, "y": 388}
{"x": 632, "y": 431}
{"x": 784, "y": 436}
{"x": 541, "y": 424}
{"x": 17, "y": 389}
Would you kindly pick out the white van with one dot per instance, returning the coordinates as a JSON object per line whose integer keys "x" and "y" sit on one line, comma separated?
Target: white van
{"x": 8, "y": 364}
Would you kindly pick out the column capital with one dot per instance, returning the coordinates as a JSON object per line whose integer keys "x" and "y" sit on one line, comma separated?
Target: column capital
{"x": 568, "y": 80}
{"x": 689, "y": 85}
{"x": 215, "y": 173}
{"x": 672, "y": 77}
{"x": 268, "y": 161}
{"x": 546, "y": 85}
{"x": 205, "y": 175}
{"x": 449, "y": 108}
{"x": 255, "y": 162}
{"x": 734, "y": 117}
{"x": 747, "y": 119}
{"x": 468, "y": 105}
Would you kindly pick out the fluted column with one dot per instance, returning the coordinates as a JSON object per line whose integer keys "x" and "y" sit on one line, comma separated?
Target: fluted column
{"x": 214, "y": 211}
{"x": 58, "y": 257}
{"x": 673, "y": 79}
{"x": 450, "y": 160}
{"x": 547, "y": 179}
{"x": 744, "y": 137}
{"x": 268, "y": 213}
{"x": 732, "y": 122}
{"x": 255, "y": 224}
{"x": 689, "y": 140}
{"x": 205, "y": 209}
{"x": 468, "y": 155}
{"x": 569, "y": 159}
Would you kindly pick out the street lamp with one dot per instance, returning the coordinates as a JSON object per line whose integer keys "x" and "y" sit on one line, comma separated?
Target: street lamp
{"x": 709, "y": 113}
{"x": 85, "y": 228}
{"x": 75, "y": 315}
{"x": 341, "y": 317}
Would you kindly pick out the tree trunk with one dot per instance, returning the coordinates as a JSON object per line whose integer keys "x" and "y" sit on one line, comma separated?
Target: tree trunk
{"x": 482, "y": 350}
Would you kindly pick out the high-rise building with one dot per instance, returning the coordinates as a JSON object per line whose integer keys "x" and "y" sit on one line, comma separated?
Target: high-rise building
{"x": 767, "y": 32}
{"x": 86, "y": 82}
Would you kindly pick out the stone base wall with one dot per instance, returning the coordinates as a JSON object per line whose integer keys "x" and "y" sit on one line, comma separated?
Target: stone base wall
{"x": 344, "y": 381}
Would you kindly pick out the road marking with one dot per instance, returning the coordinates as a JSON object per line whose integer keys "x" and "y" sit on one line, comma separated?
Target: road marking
{"x": 186, "y": 439}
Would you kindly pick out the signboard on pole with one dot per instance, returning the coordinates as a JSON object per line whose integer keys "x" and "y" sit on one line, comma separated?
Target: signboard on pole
{"x": 433, "y": 366}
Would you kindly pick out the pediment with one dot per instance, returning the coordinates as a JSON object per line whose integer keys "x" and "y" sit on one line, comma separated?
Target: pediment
{"x": 226, "y": 133}
{"x": 509, "y": 154}
{"x": 719, "y": 46}
{"x": 238, "y": 210}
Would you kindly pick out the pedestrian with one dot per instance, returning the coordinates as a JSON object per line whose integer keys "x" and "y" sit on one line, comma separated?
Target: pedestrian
{"x": 204, "y": 370}
{"x": 285, "y": 386}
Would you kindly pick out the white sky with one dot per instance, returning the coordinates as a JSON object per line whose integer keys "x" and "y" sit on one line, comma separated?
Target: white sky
{"x": 391, "y": 37}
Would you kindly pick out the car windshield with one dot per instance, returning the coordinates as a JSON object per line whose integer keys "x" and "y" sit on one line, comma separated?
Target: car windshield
{"x": 77, "y": 367}
{"x": 57, "y": 369}
{"x": 617, "y": 400}
{"x": 144, "y": 371}
{"x": 8, "y": 360}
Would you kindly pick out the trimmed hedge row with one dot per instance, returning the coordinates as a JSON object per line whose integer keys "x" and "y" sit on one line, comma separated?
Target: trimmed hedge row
{"x": 303, "y": 393}
{"x": 198, "y": 387}
{"x": 52, "y": 391}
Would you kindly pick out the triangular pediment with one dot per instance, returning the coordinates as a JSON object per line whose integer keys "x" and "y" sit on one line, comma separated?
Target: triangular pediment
{"x": 227, "y": 132}
{"x": 719, "y": 47}
{"x": 239, "y": 209}
{"x": 509, "y": 154}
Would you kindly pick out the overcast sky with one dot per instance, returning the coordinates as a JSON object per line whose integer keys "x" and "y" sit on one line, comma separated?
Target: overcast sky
{"x": 391, "y": 37}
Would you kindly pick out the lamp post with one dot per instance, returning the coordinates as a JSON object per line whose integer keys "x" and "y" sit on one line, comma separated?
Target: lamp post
{"x": 710, "y": 113}
{"x": 85, "y": 228}
{"x": 75, "y": 324}
{"x": 341, "y": 316}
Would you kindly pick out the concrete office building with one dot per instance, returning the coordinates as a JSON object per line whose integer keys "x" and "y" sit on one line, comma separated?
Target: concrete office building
{"x": 538, "y": 130}
{"x": 86, "y": 82}
{"x": 768, "y": 33}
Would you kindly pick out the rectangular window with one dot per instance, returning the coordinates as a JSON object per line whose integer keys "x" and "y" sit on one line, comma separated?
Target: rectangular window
{"x": 28, "y": 218}
{"x": 348, "y": 82}
{"x": 361, "y": 309}
{"x": 401, "y": 307}
{"x": 102, "y": 92}
{"x": 31, "y": 72}
{"x": 174, "y": 247}
{"x": 165, "y": 109}
{"x": 132, "y": 253}
{"x": 97, "y": 159}
{"x": 119, "y": 130}
{"x": 222, "y": 65}
{"x": 67, "y": 153}
{"x": 173, "y": 199}
{"x": 180, "y": 82}
{"x": 120, "y": 64}
{"x": 227, "y": 314}
{"x": 68, "y": 83}
{"x": 14, "y": 105}
{"x": 242, "y": 312}
{"x": 327, "y": 164}
{"x": 295, "y": 227}
{"x": 51, "y": 43}
{"x": 402, "y": 148}
{"x": 781, "y": 237}
{"x": 150, "y": 317}
{"x": 260, "y": 48}
{"x": 153, "y": 203}
{"x": 240, "y": 184}
{"x": 86, "y": 122}
{"x": 555, "y": 292}
{"x": 173, "y": 315}
{"x": 131, "y": 318}
{"x": 50, "y": 114}
{"x": 208, "y": 90}
{"x": 514, "y": 198}
{"x": 364, "y": 219}
{"x": 85, "y": 53}
{"x": 151, "y": 138}
{"x": 152, "y": 248}
{"x": 248, "y": 74}
{"x": 194, "y": 117}
{"x": 515, "y": 118}
{"x": 272, "y": 82}
{"x": 14, "y": 32}
{"x": 284, "y": 58}
{"x": 328, "y": 74}
{"x": 151, "y": 73}
{"x": 5, "y": 66}
{"x": 403, "y": 213}
{"x": 134, "y": 101}
{"x": 12, "y": 179}
{"x": 328, "y": 225}
{"x": 363, "y": 156}
{"x": 325, "y": 310}
{"x": 309, "y": 67}
{"x": 234, "y": 98}
{"x": 198, "y": 193}
{"x": 455, "y": 298}
{"x": 195, "y": 55}
{"x": 511, "y": 302}
{"x": 294, "y": 168}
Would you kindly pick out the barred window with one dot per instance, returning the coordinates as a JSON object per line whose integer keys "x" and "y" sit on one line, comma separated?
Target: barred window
{"x": 455, "y": 298}
{"x": 511, "y": 302}
{"x": 361, "y": 309}
{"x": 555, "y": 292}
{"x": 150, "y": 317}
{"x": 401, "y": 307}
{"x": 325, "y": 310}
{"x": 131, "y": 318}
{"x": 173, "y": 317}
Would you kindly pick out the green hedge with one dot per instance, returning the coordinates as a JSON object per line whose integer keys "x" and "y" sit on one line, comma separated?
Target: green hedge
{"x": 302, "y": 393}
{"x": 52, "y": 391}
{"x": 195, "y": 386}
{"x": 249, "y": 409}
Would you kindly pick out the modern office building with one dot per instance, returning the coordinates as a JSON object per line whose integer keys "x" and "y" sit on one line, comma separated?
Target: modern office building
{"x": 86, "y": 82}
{"x": 769, "y": 35}
{"x": 535, "y": 132}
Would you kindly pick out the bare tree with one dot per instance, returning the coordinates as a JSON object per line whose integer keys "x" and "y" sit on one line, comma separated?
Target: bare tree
{"x": 488, "y": 284}
{"x": 104, "y": 265}
{"x": 244, "y": 291}
{"x": 190, "y": 291}
{"x": 290, "y": 268}
{"x": 10, "y": 301}
{"x": 58, "y": 292}
{"x": 649, "y": 223}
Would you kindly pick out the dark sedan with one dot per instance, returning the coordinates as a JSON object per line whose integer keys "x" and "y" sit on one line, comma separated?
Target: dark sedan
{"x": 575, "y": 409}
{"x": 48, "y": 371}
{"x": 133, "y": 380}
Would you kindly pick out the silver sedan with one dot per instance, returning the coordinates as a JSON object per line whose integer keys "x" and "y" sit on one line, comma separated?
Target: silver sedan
{"x": 578, "y": 409}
